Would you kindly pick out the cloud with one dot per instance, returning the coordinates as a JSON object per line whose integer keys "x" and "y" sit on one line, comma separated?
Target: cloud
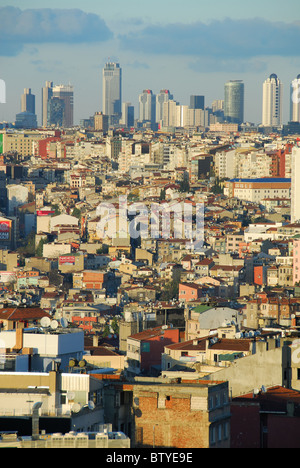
{"x": 213, "y": 64}
{"x": 37, "y": 26}
{"x": 227, "y": 39}
{"x": 138, "y": 65}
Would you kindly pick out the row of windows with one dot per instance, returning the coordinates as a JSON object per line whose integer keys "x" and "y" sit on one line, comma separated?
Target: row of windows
{"x": 219, "y": 432}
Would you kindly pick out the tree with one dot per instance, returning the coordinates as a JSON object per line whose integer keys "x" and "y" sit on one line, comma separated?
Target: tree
{"x": 77, "y": 213}
{"x": 39, "y": 249}
{"x": 162, "y": 196}
{"x": 184, "y": 185}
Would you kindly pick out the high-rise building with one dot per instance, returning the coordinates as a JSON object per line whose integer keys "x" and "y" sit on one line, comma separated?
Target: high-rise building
{"x": 27, "y": 117}
{"x": 66, "y": 94}
{"x": 272, "y": 102}
{"x": 112, "y": 92}
{"x": 55, "y": 112}
{"x": 101, "y": 122}
{"x": 147, "y": 104}
{"x": 47, "y": 92}
{"x": 295, "y": 100}
{"x": 197, "y": 102}
{"x": 234, "y": 101}
{"x": 127, "y": 115}
{"x": 295, "y": 185}
{"x": 163, "y": 96}
{"x": 28, "y": 101}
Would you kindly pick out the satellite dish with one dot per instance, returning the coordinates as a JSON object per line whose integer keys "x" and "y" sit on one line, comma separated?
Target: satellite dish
{"x": 45, "y": 322}
{"x": 64, "y": 322}
{"x": 76, "y": 408}
{"x": 91, "y": 405}
{"x": 54, "y": 324}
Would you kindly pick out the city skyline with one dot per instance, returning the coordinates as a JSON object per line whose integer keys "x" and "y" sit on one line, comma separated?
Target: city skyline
{"x": 157, "y": 48}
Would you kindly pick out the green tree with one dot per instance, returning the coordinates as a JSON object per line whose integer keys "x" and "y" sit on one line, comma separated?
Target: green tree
{"x": 39, "y": 249}
{"x": 77, "y": 213}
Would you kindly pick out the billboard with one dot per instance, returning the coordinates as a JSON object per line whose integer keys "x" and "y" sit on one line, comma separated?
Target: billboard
{"x": 45, "y": 213}
{"x": 67, "y": 260}
{"x": 1, "y": 143}
{"x": 5, "y": 227}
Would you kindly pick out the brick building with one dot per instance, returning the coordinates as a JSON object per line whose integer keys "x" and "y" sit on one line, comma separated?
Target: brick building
{"x": 169, "y": 413}
{"x": 268, "y": 418}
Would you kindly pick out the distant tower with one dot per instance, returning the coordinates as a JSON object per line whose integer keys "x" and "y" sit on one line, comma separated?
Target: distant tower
{"x": 147, "y": 104}
{"x": 197, "y": 102}
{"x": 112, "y": 92}
{"x": 234, "y": 101}
{"x": 66, "y": 94}
{"x": 163, "y": 96}
{"x": 295, "y": 100}
{"x": 272, "y": 102}
{"x": 127, "y": 115}
{"x": 28, "y": 101}
{"x": 47, "y": 93}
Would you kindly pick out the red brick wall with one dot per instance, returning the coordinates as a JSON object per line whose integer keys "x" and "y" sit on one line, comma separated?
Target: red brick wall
{"x": 174, "y": 426}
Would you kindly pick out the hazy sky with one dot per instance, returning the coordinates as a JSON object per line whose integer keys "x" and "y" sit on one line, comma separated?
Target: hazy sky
{"x": 189, "y": 47}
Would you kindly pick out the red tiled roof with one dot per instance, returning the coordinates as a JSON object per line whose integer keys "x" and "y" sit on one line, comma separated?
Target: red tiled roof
{"x": 15, "y": 314}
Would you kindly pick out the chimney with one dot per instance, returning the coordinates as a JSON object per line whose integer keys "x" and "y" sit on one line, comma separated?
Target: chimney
{"x": 19, "y": 339}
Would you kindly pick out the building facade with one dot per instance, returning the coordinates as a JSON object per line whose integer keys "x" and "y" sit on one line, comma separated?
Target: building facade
{"x": 234, "y": 102}
{"x": 112, "y": 91}
{"x": 272, "y": 102}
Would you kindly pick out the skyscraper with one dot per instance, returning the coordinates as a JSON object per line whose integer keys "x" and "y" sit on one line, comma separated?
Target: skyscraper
{"x": 234, "y": 101}
{"x": 147, "y": 104}
{"x": 55, "y": 112}
{"x": 66, "y": 94}
{"x": 163, "y": 96}
{"x": 28, "y": 101}
{"x": 197, "y": 102}
{"x": 47, "y": 92}
{"x": 112, "y": 92}
{"x": 295, "y": 100}
{"x": 127, "y": 115}
{"x": 272, "y": 102}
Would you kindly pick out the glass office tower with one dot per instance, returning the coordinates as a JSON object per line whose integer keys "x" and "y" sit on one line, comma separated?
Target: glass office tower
{"x": 112, "y": 92}
{"x": 234, "y": 101}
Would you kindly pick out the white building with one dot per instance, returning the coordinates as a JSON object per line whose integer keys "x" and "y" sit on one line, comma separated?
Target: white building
{"x": 295, "y": 100}
{"x": 295, "y": 197}
{"x": 17, "y": 195}
{"x": 272, "y": 102}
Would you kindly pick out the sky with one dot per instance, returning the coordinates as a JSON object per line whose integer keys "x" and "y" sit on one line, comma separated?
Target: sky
{"x": 189, "y": 47}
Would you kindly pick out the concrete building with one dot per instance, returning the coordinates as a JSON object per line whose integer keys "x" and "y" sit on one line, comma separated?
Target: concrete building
{"x": 127, "y": 115}
{"x": 37, "y": 349}
{"x": 147, "y": 105}
{"x": 101, "y": 122}
{"x": 295, "y": 188}
{"x": 272, "y": 102}
{"x": 163, "y": 96}
{"x": 17, "y": 195}
{"x": 295, "y": 100}
{"x": 47, "y": 93}
{"x": 255, "y": 190}
{"x": 28, "y": 101}
{"x": 66, "y": 402}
